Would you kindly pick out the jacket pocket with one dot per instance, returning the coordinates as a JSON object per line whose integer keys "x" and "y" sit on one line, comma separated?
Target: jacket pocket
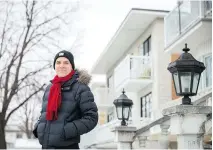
{"x": 63, "y": 131}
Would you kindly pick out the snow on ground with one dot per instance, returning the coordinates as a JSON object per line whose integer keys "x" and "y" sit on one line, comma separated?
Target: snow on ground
{"x": 27, "y": 144}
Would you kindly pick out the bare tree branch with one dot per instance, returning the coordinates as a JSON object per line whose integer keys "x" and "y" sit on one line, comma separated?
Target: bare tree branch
{"x": 22, "y": 103}
{"x": 33, "y": 73}
{"x": 23, "y": 39}
{"x": 21, "y": 55}
{"x": 5, "y": 30}
{"x": 43, "y": 7}
{"x": 27, "y": 116}
{"x": 42, "y": 35}
{"x": 5, "y": 99}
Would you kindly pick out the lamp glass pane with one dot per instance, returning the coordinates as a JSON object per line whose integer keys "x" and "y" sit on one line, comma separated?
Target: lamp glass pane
{"x": 176, "y": 82}
{"x": 119, "y": 112}
{"x": 185, "y": 78}
{"x": 126, "y": 112}
{"x": 195, "y": 82}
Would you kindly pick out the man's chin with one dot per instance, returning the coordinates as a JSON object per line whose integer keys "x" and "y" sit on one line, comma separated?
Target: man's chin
{"x": 61, "y": 75}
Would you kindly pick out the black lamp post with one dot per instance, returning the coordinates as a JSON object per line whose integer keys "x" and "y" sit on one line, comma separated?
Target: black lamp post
{"x": 186, "y": 72}
{"x": 123, "y": 108}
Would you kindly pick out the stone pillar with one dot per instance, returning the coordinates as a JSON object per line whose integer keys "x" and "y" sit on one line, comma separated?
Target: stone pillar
{"x": 142, "y": 141}
{"x": 164, "y": 137}
{"x": 124, "y": 136}
{"x": 186, "y": 122}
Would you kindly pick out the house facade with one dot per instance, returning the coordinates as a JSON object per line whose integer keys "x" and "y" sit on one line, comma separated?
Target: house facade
{"x": 136, "y": 60}
{"x": 133, "y": 60}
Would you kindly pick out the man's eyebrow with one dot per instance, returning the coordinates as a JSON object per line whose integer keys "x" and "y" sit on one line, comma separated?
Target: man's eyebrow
{"x": 62, "y": 61}
{"x": 66, "y": 61}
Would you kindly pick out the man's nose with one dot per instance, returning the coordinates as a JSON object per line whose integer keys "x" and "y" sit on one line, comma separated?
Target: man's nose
{"x": 61, "y": 65}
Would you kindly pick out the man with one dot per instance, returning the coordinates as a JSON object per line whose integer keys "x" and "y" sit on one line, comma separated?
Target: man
{"x": 68, "y": 108}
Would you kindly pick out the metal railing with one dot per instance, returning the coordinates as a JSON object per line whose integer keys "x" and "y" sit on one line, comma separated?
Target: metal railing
{"x": 184, "y": 16}
{"x": 132, "y": 67}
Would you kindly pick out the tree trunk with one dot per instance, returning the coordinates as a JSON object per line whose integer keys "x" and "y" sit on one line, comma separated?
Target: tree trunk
{"x": 2, "y": 133}
{"x": 29, "y": 134}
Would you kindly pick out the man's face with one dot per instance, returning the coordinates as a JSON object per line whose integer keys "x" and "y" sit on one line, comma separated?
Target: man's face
{"x": 62, "y": 66}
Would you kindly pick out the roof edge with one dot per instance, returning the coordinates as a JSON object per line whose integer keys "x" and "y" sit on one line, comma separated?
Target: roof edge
{"x": 151, "y": 10}
{"x": 162, "y": 12}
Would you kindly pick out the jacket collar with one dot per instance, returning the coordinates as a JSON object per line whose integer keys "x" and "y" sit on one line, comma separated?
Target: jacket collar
{"x": 81, "y": 76}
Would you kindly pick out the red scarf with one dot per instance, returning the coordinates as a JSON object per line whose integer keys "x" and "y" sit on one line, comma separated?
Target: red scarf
{"x": 54, "y": 99}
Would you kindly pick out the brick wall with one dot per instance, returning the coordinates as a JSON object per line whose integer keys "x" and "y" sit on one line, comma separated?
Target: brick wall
{"x": 173, "y": 58}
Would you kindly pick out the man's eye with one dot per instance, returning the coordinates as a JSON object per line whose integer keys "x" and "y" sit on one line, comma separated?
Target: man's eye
{"x": 57, "y": 62}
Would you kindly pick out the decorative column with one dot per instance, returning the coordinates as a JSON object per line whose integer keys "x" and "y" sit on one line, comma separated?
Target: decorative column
{"x": 164, "y": 137}
{"x": 186, "y": 123}
{"x": 142, "y": 141}
{"x": 124, "y": 136}
{"x": 142, "y": 138}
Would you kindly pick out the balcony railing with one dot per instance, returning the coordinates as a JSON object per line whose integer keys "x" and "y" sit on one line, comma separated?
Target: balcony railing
{"x": 184, "y": 16}
{"x": 132, "y": 67}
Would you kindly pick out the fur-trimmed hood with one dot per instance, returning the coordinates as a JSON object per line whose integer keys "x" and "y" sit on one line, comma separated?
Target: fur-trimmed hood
{"x": 84, "y": 76}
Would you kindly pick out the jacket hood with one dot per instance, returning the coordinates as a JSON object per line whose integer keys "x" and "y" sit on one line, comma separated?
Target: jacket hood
{"x": 84, "y": 76}
{"x": 81, "y": 75}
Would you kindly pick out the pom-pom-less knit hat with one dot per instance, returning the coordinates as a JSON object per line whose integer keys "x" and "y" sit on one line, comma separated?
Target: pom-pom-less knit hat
{"x": 67, "y": 55}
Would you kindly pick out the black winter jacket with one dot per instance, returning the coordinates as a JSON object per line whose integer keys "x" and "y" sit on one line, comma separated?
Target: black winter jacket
{"x": 76, "y": 116}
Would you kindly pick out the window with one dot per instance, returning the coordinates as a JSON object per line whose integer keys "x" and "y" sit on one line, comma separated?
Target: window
{"x": 145, "y": 48}
{"x": 208, "y": 71}
{"x": 206, "y": 76}
{"x": 146, "y": 106}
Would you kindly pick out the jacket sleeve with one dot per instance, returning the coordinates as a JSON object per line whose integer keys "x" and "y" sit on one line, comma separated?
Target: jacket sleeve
{"x": 89, "y": 114}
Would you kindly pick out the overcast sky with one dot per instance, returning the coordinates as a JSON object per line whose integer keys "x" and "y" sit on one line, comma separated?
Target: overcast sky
{"x": 100, "y": 19}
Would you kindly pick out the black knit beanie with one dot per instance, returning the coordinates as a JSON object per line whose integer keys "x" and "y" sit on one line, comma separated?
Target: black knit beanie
{"x": 67, "y": 55}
